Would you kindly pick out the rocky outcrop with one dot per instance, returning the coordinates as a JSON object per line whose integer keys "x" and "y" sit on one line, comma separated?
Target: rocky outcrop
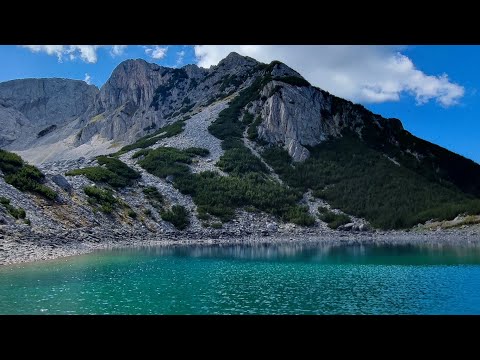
{"x": 30, "y": 106}
{"x": 140, "y": 97}
{"x": 14, "y": 124}
{"x": 47, "y": 101}
{"x": 292, "y": 116}
{"x": 132, "y": 81}
{"x": 61, "y": 182}
{"x": 298, "y": 116}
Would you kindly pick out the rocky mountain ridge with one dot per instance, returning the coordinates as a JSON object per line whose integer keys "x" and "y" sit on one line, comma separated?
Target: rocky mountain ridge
{"x": 303, "y": 159}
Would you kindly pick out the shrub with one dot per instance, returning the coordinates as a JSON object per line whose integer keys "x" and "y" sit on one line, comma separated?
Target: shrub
{"x": 247, "y": 118}
{"x": 227, "y": 123}
{"x": 163, "y": 162}
{"x": 10, "y": 162}
{"x": 102, "y": 197}
{"x": 299, "y": 215}
{"x": 23, "y": 176}
{"x": 119, "y": 168}
{"x": 221, "y": 195}
{"x": 197, "y": 151}
{"x": 202, "y": 214}
{"x": 152, "y": 194}
{"x": 140, "y": 153}
{"x": 216, "y": 225}
{"x": 17, "y": 213}
{"x": 178, "y": 216}
{"x": 148, "y": 212}
{"x": 132, "y": 214}
{"x": 115, "y": 173}
{"x": 240, "y": 161}
{"x": 99, "y": 174}
{"x": 333, "y": 220}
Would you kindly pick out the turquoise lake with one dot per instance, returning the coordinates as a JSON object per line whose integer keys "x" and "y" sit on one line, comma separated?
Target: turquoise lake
{"x": 261, "y": 279}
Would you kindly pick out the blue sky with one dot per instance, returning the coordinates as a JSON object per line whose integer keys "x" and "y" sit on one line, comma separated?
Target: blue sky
{"x": 432, "y": 89}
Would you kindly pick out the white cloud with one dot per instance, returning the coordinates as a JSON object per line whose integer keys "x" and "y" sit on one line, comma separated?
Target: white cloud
{"x": 117, "y": 50}
{"x": 156, "y": 52}
{"x": 86, "y": 53}
{"x": 56, "y": 50}
{"x": 180, "y": 57}
{"x": 356, "y": 72}
{"x": 88, "y": 79}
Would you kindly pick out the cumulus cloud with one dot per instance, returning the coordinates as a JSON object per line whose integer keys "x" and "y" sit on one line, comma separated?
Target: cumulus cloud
{"x": 360, "y": 73}
{"x": 156, "y": 52}
{"x": 88, "y": 79}
{"x": 117, "y": 50}
{"x": 86, "y": 53}
{"x": 56, "y": 50}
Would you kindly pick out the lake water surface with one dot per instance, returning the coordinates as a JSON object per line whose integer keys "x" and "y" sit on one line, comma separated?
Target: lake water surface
{"x": 262, "y": 279}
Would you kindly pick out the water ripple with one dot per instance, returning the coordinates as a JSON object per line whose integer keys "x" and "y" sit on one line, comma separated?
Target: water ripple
{"x": 249, "y": 280}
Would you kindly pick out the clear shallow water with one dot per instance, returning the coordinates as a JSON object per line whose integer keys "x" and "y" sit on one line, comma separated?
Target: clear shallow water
{"x": 270, "y": 279}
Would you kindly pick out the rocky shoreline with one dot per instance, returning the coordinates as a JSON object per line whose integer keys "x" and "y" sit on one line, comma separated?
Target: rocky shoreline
{"x": 25, "y": 245}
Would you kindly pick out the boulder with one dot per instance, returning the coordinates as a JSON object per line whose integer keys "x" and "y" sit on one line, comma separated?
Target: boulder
{"x": 363, "y": 227}
{"x": 62, "y": 183}
{"x": 346, "y": 227}
{"x": 272, "y": 227}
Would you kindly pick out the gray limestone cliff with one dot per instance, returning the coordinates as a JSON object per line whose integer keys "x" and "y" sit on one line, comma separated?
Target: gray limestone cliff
{"x": 30, "y": 106}
{"x": 53, "y": 119}
{"x": 140, "y": 97}
{"x": 296, "y": 115}
{"x": 47, "y": 101}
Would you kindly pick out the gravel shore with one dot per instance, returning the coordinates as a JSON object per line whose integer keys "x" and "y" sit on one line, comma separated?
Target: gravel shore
{"x": 25, "y": 245}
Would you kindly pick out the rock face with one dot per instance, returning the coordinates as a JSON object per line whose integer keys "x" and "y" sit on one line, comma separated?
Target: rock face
{"x": 292, "y": 117}
{"x": 76, "y": 119}
{"x": 13, "y": 124}
{"x": 30, "y": 106}
{"x": 47, "y": 101}
{"x": 133, "y": 81}
{"x": 296, "y": 116}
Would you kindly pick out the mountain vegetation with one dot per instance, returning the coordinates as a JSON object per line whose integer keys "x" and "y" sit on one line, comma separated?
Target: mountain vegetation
{"x": 23, "y": 176}
{"x": 112, "y": 172}
{"x": 363, "y": 182}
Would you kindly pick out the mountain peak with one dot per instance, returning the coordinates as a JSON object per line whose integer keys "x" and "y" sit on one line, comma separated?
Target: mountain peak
{"x": 235, "y": 59}
{"x": 135, "y": 65}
